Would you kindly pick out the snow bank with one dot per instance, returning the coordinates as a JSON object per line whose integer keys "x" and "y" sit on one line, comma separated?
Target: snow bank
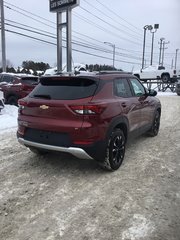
{"x": 8, "y": 118}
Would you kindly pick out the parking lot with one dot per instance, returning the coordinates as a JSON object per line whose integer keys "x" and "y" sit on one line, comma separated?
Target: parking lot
{"x": 60, "y": 197}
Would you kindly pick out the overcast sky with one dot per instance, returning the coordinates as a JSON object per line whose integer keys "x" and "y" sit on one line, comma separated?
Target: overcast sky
{"x": 94, "y": 22}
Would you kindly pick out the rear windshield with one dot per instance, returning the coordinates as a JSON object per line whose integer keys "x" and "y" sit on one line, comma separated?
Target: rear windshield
{"x": 64, "y": 88}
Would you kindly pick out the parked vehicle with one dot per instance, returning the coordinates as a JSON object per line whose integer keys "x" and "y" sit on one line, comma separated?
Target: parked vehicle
{"x": 155, "y": 73}
{"x": 1, "y": 100}
{"x": 16, "y": 86}
{"x": 6, "y": 78}
{"x": 177, "y": 89}
{"x": 91, "y": 117}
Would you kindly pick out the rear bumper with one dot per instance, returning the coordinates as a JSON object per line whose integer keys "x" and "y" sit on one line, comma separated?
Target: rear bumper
{"x": 77, "y": 152}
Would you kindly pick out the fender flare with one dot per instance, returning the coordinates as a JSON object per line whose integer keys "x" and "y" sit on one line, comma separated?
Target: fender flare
{"x": 118, "y": 122}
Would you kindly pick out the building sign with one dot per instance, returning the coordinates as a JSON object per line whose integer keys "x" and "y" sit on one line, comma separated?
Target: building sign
{"x": 62, "y": 5}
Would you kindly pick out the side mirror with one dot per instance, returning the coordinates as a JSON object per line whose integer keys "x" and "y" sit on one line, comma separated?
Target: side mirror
{"x": 152, "y": 92}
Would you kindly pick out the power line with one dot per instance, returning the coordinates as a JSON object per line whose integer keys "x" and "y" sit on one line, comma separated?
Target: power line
{"x": 127, "y": 56}
{"x": 75, "y": 32}
{"x": 76, "y": 50}
{"x": 117, "y": 15}
{"x": 103, "y": 13}
{"x": 30, "y": 13}
{"x": 111, "y": 25}
{"x": 28, "y": 16}
{"x": 105, "y": 30}
{"x": 82, "y": 44}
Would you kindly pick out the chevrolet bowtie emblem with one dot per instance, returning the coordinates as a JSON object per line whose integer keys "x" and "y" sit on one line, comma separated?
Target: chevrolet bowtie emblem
{"x": 44, "y": 107}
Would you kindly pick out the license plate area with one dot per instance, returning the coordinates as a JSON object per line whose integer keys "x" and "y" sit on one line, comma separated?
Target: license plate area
{"x": 47, "y": 137}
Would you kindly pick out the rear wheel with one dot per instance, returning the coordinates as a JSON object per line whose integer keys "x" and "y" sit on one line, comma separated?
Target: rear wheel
{"x": 115, "y": 151}
{"x": 156, "y": 124}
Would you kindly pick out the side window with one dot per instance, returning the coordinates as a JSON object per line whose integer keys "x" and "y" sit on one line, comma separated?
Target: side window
{"x": 137, "y": 87}
{"x": 7, "y": 78}
{"x": 121, "y": 88}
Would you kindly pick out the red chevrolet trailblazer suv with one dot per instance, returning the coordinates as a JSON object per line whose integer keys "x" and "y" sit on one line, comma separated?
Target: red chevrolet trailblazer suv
{"x": 16, "y": 86}
{"x": 90, "y": 116}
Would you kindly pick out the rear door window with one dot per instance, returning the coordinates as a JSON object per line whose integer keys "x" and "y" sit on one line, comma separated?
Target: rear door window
{"x": 121, "y": 88}
{"x": 65, "y": 88}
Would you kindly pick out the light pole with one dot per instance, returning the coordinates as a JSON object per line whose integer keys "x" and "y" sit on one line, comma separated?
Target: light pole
{"x": 176, "y": 57}
{"x": 146, "y": 27}
{"x": 114, "y": 47}
{"x": 156, "y": 26}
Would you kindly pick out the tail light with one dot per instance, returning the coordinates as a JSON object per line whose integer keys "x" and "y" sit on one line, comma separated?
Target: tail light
{"x": 174, "y": 71}
{"x": 22, "y": 104}
{"x": 88, "y": 109}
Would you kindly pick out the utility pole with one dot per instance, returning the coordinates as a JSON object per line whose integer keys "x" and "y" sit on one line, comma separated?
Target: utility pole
{"x": 114, "y": 51}
{"x": 3, "y": 45}
{"x": 163, "y": 49}
{"x": 172, "y": 63}
{"x": 161, "y": 40}
{"x": 156, "y": 26}
{"x": 176, "y": 57}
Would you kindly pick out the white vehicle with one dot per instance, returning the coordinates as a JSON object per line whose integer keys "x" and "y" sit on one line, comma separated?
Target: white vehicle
{"x": 155, "y": 73}
{"x": 1, "y": 100}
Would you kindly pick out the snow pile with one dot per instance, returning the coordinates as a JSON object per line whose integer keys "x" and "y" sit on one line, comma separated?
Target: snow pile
{"x": 167, "y": 93}
{"x": 8, "y": 118}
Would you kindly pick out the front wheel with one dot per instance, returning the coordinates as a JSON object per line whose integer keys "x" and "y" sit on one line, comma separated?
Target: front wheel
{"x": 115, "y": 151}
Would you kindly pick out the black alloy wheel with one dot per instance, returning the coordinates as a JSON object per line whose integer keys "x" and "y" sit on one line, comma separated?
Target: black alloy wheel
{"x": 115, "y": 151}
{"x": 156, "y": 124}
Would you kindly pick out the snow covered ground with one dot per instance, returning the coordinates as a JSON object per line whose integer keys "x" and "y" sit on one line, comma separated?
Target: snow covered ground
{"x": 8, "y": 116}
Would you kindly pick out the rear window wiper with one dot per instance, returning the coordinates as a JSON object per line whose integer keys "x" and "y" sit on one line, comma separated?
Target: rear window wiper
{"x": 42, "y": 96}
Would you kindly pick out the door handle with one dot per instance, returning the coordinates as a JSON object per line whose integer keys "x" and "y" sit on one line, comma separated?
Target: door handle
{"x": 123, "y": 105}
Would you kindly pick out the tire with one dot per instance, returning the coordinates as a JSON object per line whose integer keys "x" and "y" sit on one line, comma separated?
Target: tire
{"x": 12, "y": 100}
{"x": 155, "y": 126}
{"x": 115, "y": 151}
{"x": 165, "y": 78}
{"x": 38, "y": 151}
